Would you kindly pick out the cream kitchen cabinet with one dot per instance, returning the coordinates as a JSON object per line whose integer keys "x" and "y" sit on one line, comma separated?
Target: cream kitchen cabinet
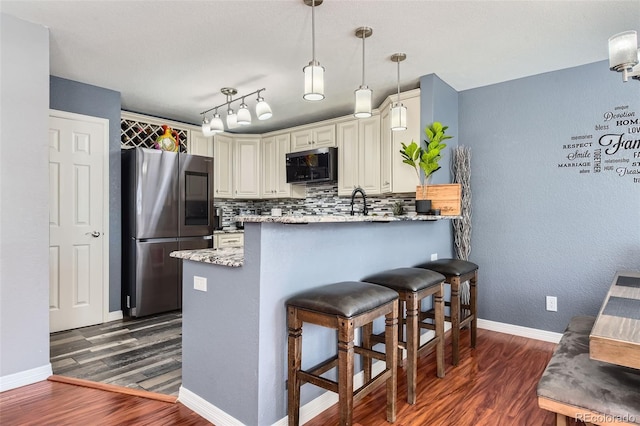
{"x": 223, "y": 166}
{"x": 313, "y": 137}
{"x": 199, "y": 144}
{"x": 246, "y": 171}
{"x": 359, "y": 155}
{"x": 229, "y": 239}
{"x": 274, "y": 174}
{"x": 397, "y": 177}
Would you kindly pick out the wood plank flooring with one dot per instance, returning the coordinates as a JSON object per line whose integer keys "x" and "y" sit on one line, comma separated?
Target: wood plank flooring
{"x": 139, "y": 353}
{"x": 493, "y": 385}
{"x": 54, "y": 403}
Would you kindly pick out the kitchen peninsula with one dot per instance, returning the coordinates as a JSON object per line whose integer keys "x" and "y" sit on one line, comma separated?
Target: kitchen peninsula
{"x": 234, "y": 332}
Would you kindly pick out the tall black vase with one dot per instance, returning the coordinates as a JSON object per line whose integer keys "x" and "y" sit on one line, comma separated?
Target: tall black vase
{"x": 423, "y": 206}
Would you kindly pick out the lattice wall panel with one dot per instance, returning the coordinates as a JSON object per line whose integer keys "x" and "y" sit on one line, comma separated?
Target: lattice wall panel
{"x": 137, "y": 134}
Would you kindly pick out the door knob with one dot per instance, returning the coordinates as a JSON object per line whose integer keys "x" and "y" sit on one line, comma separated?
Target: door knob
{"x": 94, "y": 234}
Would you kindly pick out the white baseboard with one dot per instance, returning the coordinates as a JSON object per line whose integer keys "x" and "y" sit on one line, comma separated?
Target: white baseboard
{"x": 24, "y": 378}
{"x": 113, "y": 316}
{"x": 205, "y": 409}
{"x": 517, "y": 330}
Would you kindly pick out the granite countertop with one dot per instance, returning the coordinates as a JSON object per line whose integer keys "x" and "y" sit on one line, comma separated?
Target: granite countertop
{"x": 337, "y": 218}
{"x": 227, "y": 231}
{"x": 231, "y": 256}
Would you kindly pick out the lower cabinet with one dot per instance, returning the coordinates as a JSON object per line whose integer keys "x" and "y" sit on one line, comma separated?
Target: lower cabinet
{"x": 230, "y": 239}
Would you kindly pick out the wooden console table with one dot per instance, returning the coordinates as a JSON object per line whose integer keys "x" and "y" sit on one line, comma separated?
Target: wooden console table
{"x": 615, "y": 337}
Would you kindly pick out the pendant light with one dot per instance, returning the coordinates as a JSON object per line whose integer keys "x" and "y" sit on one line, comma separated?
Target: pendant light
{"x": 363, "y": 94}
{"x": 398, "y": 111}
{"x": 624, "y": 54}
{"x": 313, "y": 73}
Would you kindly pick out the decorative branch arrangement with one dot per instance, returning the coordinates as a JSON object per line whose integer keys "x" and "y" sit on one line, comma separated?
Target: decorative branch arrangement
{"x": 462, "y": 227}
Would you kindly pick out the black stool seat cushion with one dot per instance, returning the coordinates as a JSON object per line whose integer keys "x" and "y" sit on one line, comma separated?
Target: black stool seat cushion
{"x": 346, "y": 299}
{"x": 406, "y": 279}
{"x": 455, "y": 267}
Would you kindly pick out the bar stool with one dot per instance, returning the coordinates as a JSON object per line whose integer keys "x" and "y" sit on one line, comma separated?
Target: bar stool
{"x": 456, "y": 272}
{"x": 344, "y": 307}
{"x": 412, "y": 285}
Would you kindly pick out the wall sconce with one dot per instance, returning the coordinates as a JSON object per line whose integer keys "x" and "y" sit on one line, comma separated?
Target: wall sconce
{"x": 242, "y": 118}
{"x": 624, "y": 54}
{"x": 398, "y": 111}
{"x": 313, "y": 73}
{"x": 363, "y": 94}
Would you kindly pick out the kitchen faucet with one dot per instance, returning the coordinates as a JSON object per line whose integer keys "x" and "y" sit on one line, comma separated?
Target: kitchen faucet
{"x": 365, "y": 209}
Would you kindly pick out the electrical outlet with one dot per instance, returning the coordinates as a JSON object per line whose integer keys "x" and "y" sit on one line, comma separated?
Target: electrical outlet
{"x": 552, "y": 304}
{"x": 200, "y": 283}
{"x": 434, "y": 256}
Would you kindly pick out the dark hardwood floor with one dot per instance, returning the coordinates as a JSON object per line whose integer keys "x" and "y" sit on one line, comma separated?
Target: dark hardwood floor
{"x": 140, "y": 353}
{"x": 493, "y": 385}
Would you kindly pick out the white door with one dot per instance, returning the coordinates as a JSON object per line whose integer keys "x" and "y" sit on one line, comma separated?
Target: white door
{"x": 77, "y": 224}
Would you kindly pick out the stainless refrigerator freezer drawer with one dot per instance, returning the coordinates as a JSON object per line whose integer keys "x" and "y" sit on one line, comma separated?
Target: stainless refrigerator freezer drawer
{"x": 157, "y": 278}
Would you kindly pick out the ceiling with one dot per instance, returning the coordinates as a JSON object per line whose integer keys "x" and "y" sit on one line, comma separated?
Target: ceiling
{"x": 171, "y": 58}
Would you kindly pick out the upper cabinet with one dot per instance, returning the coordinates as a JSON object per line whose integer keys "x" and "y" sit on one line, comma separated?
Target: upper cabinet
{"x": 222, "y": 166}
{"x": 246, "y": 176}
{"x": 274, "y": 174}
{"x": 313, "y": 137}
{"x": 397, "y": 177}
{"x": 200, "y": 144}
{"x": 359, "y": 155}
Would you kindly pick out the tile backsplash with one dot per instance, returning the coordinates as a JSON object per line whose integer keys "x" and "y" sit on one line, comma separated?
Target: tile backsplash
{"x": 322, "y": 199}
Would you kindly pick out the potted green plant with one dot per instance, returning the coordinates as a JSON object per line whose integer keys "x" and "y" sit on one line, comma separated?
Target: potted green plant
{"x": 425, "y": 161}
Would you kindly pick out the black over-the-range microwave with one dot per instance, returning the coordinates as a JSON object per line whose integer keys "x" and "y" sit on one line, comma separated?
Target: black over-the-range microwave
{"x": 316, "y": 165}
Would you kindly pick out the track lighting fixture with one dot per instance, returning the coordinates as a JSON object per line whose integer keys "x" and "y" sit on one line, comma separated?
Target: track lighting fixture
{"x": 624, "y": 54}
{"x": 242, "y": 118}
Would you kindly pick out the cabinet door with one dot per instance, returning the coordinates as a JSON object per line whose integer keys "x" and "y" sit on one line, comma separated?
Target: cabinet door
{"x": 369, "y": 154}
{"x": 283, "y": 189}
{"x": 223, "y": 166}
{"x": 200, "y": 144}
{"x": 247, "y": 168}
{"x": 386, "y": 151}
{"x": 301, "y": 140}
{"x": 324, "y": 136}
{"x": 347, "y": 156}
{"x": 269, "y": 182}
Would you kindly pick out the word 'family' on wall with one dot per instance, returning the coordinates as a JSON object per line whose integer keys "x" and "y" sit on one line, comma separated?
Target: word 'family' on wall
{"x": 613, "y": 147}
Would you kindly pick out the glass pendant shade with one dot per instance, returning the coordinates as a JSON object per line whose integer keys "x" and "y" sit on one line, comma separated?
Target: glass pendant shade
{"x": 398, "y": 117}
{"x": 313, "y": 82}
{"x": 623, "y": 51}
{"x": 232, "y": 119}
{"x": 363, "y": 102}
{"x": 206, "y": 127}
{"x": 263, "y": 110}
{"x": 244, "y": 115}
{"x": 216, "y": 125}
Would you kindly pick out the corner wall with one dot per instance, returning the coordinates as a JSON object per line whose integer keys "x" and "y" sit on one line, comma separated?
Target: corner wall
{"x": 548, "y": 218}
{"x": 79, "y": 98}
{"x": 24, "y": 201}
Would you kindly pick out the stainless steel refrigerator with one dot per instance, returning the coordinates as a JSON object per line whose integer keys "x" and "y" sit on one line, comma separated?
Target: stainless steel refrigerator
{"x": 167, "y": 202}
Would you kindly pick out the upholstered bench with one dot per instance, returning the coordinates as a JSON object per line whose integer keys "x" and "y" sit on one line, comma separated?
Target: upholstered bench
{"x": 575, "y": 386}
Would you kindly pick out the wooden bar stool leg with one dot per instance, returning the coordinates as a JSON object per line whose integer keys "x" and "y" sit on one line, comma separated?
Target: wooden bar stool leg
{"x": 474, "y": 308}
{"x": 294, "y": 342}
{"x": 455, "y": 319}
{"x": 367, "y": 331}
{"x": 391, "y": 343}
{"x": 413, "y": 343}
{"x": 345, "y": 371}
{"x": 401, "y": 329}
{"x": 438, "y": 305}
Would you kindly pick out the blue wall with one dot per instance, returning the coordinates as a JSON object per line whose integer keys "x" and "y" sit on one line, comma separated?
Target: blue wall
{"x": 79, "y": 98}
{"x": 540, "y": 229}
